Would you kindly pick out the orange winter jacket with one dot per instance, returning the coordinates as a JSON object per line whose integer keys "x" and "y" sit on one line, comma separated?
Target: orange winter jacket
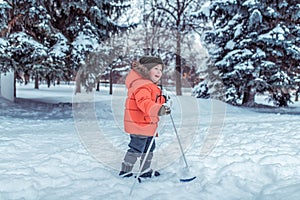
{"x": 143, "y": 102}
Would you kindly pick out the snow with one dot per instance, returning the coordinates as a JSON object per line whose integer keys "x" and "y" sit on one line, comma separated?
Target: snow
{"x": 134, "y": 14}
{"x": 205, "y": 9}
{"x": 234, "y": 54}
{"x": 294, "y": 50}
{"x": 277, "y": 33}
{"x": 250, "y": 3}
{"x": 259, "y": 54}
{"x": 272, "y": 12}
{"x": 3, "y": 45}
{"x": 255, "y": 18}
{"x": 248, "y": 65}
{"x": 235, "y": 152}
{"x": 230, "y": 45}
{"x": 60, "y": 47}
{"x": 24, "y": 38}
{"x": 84, "y": 41}
{"x": 3, "y": 42}
{"x": 269, "y": 64}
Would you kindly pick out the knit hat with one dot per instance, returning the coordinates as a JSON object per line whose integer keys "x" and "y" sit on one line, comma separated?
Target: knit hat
{"x": 150, "y": 61}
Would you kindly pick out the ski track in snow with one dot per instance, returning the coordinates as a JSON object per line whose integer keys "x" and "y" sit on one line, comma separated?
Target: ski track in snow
{"x": 256, "y": 157}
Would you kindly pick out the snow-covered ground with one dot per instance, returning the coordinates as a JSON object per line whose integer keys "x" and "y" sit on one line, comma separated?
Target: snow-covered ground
{"x": 56, "y": 145}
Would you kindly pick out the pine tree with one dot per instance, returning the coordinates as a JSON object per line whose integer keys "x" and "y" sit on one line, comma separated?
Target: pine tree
{"x": 4, "y": 54}
{"x": 56, "y": 35}
{"x": 256, "y": 48}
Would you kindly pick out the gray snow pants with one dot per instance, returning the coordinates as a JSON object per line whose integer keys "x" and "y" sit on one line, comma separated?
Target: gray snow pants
{"x": 138, "y": 147}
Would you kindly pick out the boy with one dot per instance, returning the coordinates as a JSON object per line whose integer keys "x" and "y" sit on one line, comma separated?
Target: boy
{"x": 144, "y": 105}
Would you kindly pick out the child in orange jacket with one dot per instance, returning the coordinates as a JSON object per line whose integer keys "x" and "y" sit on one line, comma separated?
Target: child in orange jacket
{"x": 144, "y": 105}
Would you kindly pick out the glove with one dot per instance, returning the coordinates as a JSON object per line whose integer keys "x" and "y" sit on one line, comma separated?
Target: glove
{"x": 164, "y": 110}
{"x": 165, "y": 94}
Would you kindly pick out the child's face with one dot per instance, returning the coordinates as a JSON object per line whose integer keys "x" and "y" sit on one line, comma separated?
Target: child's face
{"x": 156, "y": 73}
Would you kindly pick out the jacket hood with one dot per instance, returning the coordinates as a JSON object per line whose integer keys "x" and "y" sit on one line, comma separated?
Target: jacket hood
{"x": 136, "y": 78}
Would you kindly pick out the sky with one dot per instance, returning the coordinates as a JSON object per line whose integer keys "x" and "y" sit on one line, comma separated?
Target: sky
{"x": 55, "y": 145}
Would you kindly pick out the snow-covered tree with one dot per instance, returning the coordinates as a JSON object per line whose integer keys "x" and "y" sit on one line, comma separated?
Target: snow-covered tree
{"x": 256, "y": 47}
{"x": 211, "y": 85}
{"x": 179, "y": 19}
{"x": 26, "y": 53}
{"x": 108, "y": 58}
{"x": 4, "y": 12}
{"x": 4, "y": 55}
{"x": 66, "y": 30}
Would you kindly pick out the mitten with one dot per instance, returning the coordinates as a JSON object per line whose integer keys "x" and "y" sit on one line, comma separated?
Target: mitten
{"x": 164, "y": 110}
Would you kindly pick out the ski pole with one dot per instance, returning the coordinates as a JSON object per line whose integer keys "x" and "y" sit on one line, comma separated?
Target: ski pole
{"x": 177, "y": 136}
{"x": 142, "y": 165}
{"x": 183, "y": 155}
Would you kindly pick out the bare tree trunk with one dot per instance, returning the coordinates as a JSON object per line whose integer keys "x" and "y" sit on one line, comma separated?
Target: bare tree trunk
{"x": 178, "y": 65}
{"x": 297, "y": 94}
{"x": 248, "y": 98}
{"x": 36, "y": 81}
{"x": 15, "y": 84}
{"x": 78, "y": 81}
{"x": 110, "y": 82}
{"x": 98, "y": 85}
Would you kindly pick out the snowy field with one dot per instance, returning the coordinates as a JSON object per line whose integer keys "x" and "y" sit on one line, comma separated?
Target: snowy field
{"x": 56, "y": 145}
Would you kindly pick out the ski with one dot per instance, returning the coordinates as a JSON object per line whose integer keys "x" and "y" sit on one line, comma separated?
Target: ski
{"x": 187, "y": 179}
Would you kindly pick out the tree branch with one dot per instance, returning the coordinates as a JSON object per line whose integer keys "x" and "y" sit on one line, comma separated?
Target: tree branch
{"x": 169, "y": 4}
{"x": 167, "y": 11}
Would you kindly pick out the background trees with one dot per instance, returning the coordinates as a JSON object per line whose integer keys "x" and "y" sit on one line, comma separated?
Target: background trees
{"x": 180, "y": 18}
{"x": 253, "y": 46}
{"x": 256, "y": 48}
{"x": 52, "y": 38}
